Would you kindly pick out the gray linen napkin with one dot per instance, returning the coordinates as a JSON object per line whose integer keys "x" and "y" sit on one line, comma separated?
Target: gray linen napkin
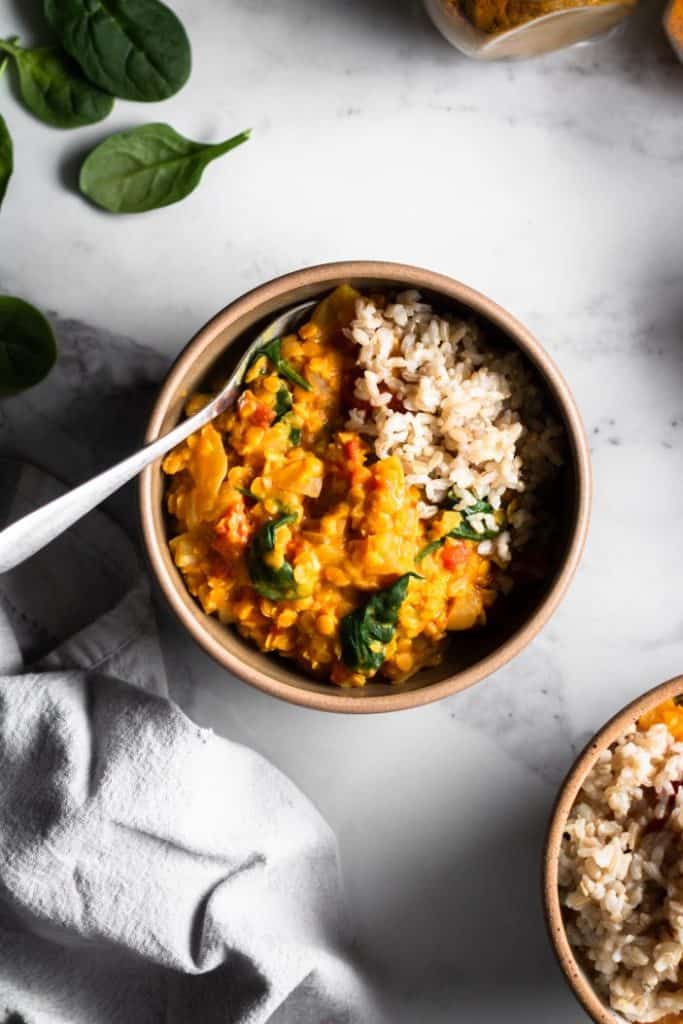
{"x": 149, "y": 871}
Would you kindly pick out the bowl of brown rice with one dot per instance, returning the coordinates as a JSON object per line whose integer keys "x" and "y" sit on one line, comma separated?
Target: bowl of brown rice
{"x": 395, "y": 507}
{"x": 613, "y": 865}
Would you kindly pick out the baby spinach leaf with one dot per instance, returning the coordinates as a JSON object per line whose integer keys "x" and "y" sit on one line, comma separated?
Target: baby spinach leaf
{"x": 461, "y": 532}
{"x": 283, "y": 402}
{"x": 53, "y": 88}
{"x": 295, "y": 435}
{"x": 247, "y": 493}
{"x": 135, "y": 49}
{"x": 273, "y": 353}
{"x": 250, "y": 496}
{"x": 466, "y": 532}
{"x": 453, "y": 498}
{"x": 430, "y": 548}
{"x": 6, "y": 157}
{"x": 276, "y": 584}
{"x": 147, "y": 168}
{"x": 27, "y": 346}
{"x": 365, "y": 632}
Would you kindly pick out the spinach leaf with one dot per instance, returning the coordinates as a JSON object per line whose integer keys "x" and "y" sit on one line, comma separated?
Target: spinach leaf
{"x": 6, "y": 157}
{"x": 250, "y": 496}
{"x": 430, "y": 548}
{"x": 27, "y": 346}
{"x": 273, "y": 352}
{"x": 276, "y": 584}
{"x": 462, "y": 532}
{"x": 295, "y": 435}
{"x": 147, "y": 168}
{"x": 53, "y": 88}
{"x": 283, "y": 402}
{"x": 453, "y": 498}
{"x": 135, "y": 49}
{"x": 365, "y": 633}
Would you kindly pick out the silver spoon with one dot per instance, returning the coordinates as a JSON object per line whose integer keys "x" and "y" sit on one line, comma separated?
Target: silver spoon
{"x": 28, "y": 535}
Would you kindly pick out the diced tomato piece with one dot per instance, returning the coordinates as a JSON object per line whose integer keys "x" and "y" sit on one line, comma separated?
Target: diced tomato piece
{"x": 453, "y": 554}
{"x": 218, "y": 567}
{"x": 352, "y": 449}
{"x": 339, "y": 674}
{"x": 262, "y": 416}
{"x": 235, "y": 526}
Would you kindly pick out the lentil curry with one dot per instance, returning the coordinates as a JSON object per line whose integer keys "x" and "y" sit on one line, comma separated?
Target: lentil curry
{"x": 288, "y": 527}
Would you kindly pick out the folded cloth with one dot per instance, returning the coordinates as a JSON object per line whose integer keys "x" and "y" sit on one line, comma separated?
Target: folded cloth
{"x": 150, "y": 871}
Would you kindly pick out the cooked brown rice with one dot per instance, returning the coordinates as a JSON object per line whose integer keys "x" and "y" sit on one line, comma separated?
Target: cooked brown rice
{"x": 621, "y": 874}
{"x": 457, "y": 412}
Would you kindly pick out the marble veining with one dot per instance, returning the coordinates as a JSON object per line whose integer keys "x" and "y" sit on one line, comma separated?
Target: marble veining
{"x": 554, "y": 185}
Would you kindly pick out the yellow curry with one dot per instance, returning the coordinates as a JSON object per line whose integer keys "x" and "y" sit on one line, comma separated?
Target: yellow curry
{"x": 288, "y": 528}
{"x": 670, "y": 714}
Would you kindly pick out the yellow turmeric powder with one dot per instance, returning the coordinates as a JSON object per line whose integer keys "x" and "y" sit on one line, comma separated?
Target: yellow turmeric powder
{"x": 492, "y": 16}
{"x": 673, "y": 26}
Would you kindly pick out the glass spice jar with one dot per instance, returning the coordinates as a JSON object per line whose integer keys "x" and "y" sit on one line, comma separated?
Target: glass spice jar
{"x": 497, "y": 29}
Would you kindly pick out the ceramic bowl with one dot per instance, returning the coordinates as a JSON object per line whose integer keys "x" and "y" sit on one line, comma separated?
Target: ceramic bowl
{"x": 545, "y": 34}
{"x": 578, "y": 980}
{"x": 476, "y": 654}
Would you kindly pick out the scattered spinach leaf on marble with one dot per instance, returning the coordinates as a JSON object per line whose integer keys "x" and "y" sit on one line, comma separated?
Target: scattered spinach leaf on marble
{"x": 148, "y": 167}
{"x": 6, "y": 158}
{"x": 273, "y": 353}
{"x": 135, "y": 49}
{"x": 277, "y": 584}
{"x": 365, "y": 632}
{"x": 283, "y": 402}
{"x": 28, "y": 349}
{"x": 53, "y": 88}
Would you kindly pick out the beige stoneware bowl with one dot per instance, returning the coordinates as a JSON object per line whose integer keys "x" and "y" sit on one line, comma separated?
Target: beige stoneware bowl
{"x": 474, "y": 656}
{"x": 576, "y": 976}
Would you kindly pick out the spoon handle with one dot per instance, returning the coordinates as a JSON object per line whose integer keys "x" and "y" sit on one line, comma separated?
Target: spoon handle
{"x": 29, "y": 534}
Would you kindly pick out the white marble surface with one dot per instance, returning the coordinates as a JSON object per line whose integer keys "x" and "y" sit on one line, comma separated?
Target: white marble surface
{"x": 556, "y": 186}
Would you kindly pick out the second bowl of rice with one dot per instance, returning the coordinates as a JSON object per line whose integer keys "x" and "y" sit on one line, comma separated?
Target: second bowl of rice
{"x": 393, "y": 508}
{"x": 614, "y": 866}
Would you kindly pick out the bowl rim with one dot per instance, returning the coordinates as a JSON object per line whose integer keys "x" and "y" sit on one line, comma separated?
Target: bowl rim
{"x": 407, "y": 276}
{"x": 572, "y": 969}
